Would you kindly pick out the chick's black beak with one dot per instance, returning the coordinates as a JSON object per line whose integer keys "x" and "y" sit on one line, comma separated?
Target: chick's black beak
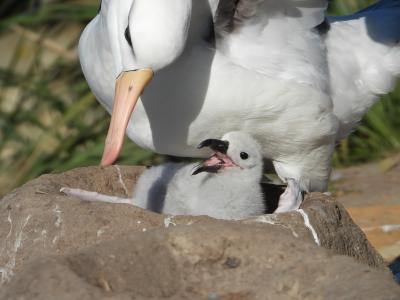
{"x": 215, "y": 145}
{"x": 209, "y": 169}
{"x": 214, "y": 163}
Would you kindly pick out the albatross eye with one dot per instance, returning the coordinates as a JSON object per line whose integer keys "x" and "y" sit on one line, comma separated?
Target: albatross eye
{"x": 244, "y": 155}
{"x": 128, "y": 36}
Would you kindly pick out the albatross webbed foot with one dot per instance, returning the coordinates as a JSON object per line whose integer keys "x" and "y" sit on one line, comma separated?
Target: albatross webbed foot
{"x": 292, "y": 198}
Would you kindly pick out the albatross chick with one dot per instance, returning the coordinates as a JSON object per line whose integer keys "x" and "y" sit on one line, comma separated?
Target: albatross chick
{"x": 224, "y": 186}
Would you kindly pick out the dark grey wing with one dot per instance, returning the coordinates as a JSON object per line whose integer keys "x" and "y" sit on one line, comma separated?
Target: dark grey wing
{"x": 232, "y": 14}
{"x": 224, "y": 17}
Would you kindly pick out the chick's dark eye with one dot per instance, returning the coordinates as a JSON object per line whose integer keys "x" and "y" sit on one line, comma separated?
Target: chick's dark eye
{"x": 244, "y": 155}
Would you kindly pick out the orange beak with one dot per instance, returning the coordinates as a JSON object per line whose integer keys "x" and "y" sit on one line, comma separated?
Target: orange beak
{"x": 128, "y": 88}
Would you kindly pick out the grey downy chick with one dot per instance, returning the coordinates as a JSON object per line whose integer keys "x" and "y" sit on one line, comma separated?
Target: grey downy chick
{"x": 224, "y": 186}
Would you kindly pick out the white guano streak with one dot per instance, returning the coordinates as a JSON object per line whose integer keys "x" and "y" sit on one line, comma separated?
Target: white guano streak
{"x": 7, "y": 270}
{"x": 272, "y": 220}
{"x": 57, "y": 212}
{"x": 121, "y": 181}
{"x": 168, "y": 221}
{"x": 309, "y": 226}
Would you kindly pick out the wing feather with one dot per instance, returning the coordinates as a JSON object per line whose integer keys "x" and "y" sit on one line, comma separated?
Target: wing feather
{"x": 364, "y": 60}
{"x": 276, "y": 38}
{"x": 234, "y": 14}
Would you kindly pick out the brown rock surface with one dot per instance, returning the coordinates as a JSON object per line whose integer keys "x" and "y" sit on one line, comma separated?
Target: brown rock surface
{"x": 56, "y": 247}
{"x": 371, "y": 194}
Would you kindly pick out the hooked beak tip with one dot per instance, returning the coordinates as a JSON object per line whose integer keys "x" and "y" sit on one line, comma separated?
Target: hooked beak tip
{"x": 195, "y": 172}
{"x": 204, "y": 168}
{"x": 105, "y": 162}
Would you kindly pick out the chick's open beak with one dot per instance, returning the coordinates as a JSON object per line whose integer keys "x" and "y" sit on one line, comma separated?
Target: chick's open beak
{"x": 218, "y": 160}
{"x": 128, "y": 88}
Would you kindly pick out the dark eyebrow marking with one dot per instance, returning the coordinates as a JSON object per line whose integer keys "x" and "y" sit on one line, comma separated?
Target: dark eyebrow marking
{"x": 324, "y": 27}
{"x": 128, "y": 36}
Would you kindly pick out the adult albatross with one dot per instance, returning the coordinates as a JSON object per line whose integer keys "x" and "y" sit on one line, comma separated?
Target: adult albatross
{"x": 277, "y": 69}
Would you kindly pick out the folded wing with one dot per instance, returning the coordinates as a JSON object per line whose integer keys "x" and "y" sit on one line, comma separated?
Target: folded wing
{"x": 274, "y": 38}
{"x": 235, "y": 14}
{"x": 364, "y": 60}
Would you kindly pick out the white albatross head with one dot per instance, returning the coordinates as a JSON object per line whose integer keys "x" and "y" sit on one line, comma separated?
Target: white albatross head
{"x": 148, "y": 38}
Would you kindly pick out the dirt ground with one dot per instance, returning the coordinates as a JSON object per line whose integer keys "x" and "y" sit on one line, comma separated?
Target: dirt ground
{"x": 371, "y": 194}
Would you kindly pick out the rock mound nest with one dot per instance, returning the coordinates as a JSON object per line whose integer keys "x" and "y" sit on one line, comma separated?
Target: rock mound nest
{"x": 57, "y": 247}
